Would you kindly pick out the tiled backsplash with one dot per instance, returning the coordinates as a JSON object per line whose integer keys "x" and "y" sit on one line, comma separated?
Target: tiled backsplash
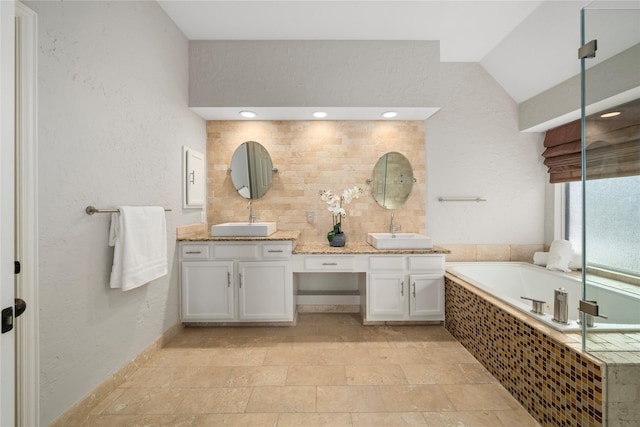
{"x": 312, "y": 156}
{"x": 192, "y": 230}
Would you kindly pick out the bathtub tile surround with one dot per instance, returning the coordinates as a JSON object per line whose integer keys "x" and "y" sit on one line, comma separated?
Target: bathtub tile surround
{"x": 311, "y": 156}
{"x": 473, "y": 253}
{"x": 493, "y": 252}
{"x": 624, "y": 391}
{"x": 557, "y": 384}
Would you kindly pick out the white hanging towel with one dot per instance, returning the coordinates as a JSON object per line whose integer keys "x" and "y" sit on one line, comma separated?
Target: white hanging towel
{"x": 139, "y": 235}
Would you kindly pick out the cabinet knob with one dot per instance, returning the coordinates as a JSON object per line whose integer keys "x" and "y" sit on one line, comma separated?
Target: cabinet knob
{"x": 402, "y": 288}
{"x": 414, "y": 289}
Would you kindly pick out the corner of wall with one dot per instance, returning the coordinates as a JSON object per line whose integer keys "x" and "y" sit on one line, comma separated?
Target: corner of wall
{"x": 78, "y": 413}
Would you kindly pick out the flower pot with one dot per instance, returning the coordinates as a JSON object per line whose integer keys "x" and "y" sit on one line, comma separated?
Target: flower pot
{"x": 339, "y": 239}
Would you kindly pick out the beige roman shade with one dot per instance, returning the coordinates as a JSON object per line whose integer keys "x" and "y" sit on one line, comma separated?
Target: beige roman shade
{"x": 613, "y": 146}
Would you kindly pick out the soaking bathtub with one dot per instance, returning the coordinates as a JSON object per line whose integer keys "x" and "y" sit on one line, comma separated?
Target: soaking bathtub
{"x": 509, "y": 281}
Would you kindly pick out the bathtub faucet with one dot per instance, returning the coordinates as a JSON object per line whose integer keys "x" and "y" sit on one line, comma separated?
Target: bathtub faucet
{"x": 537, "y": 306}
{"x": 561, "y": 306}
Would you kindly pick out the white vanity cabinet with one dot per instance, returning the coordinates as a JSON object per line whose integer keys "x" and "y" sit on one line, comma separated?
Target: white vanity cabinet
{"x": 265, "y": 291}
{"x": 236, "y": 281}
{"x": 386, "y": 297}
{"x": 207, "y": 291}
{"x": 405, "y": 287}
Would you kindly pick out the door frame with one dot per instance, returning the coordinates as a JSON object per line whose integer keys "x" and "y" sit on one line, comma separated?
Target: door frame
{"x": 27, "y": 331}
{"x": 7, "y": 145}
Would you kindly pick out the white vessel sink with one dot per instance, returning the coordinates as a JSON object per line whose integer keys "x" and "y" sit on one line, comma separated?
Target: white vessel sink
{"x": 243, "y": 229}
{"x": 399, "y": 241}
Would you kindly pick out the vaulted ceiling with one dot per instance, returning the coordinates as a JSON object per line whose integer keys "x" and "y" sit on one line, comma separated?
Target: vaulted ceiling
{"x": 527, "y": 46}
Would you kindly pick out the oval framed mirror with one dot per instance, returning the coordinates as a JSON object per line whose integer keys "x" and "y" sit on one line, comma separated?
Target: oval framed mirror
{"x": 392, "y": 180}
{"x": 251, "y": 170}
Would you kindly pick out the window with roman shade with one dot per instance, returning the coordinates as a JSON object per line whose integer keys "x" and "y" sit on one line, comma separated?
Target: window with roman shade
{"x": 612, "y": 146}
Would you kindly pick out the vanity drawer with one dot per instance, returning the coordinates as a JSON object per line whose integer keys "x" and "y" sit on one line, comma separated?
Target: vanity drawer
{"x": 426, "y": 262}
{"x": 199, "y": 251}
{"x": 276, "y": 250}
{"x": 236, "y": 251}
{"x": 329, "y": 263}
{"x": 386, "y": 263}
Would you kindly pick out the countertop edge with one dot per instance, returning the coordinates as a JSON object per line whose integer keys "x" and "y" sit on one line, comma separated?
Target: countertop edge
{"x": 278, "y": 235}
{"x": 351, "y": 248}
{"x": 304, "y": 249}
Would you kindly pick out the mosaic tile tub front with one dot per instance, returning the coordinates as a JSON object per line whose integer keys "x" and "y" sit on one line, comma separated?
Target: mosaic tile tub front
{"x": 556, "y": 384}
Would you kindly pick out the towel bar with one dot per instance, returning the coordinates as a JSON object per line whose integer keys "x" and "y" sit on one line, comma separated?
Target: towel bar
{"x": 90, "y": 210}
{"x": 461, "y": 199}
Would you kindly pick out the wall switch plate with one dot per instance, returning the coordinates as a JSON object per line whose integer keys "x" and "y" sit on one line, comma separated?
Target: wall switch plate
{"x": 311, "y": 217}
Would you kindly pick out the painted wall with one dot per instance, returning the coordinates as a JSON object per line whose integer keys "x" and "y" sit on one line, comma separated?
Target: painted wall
{"x": 113, "y": 81}
{"x": 474, "y": 149}
{"x": 325, "y": 73}
{"x": 473, "y": 144}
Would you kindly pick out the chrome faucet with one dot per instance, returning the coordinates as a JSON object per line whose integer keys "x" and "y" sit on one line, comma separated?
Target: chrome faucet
{"x": 392, "y": 227}
{"x": 252, "y": 217}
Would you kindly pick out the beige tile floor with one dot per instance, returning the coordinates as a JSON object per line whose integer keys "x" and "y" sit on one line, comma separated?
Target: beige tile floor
{"x": 329, "y": 370}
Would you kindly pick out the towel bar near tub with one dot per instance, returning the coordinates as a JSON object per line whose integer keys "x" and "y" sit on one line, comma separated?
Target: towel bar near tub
{"x": 90, "y": 210}
{"x": 461, "y": 199}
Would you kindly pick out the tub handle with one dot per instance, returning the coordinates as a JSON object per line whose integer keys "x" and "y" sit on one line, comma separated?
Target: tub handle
{"x": 537, "y": 306}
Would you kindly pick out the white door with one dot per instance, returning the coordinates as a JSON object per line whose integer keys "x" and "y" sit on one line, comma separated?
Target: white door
{"x": 26, "y": 223}
{"x": 207, "y": 290}
{"x": 7, "y": 203}
{"x": 387, "y": 296}
{"x": 426, "y": 295}
{"x": 265, "y": 291}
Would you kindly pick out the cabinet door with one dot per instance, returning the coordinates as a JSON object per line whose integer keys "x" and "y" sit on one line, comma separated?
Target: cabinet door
{"x": 207, "y": 291}
{"x": 195, "y": 178}
{"x": 387, "y": 296}
{"x": 265, "y": 291}
{"x": 427, "y": 296}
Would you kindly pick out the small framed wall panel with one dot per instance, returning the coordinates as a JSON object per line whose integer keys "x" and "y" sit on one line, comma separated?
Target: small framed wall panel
{"x": 194, "y": 178}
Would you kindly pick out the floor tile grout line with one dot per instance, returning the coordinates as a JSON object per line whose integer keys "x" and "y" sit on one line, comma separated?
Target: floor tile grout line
{"x": 367, "y": 346}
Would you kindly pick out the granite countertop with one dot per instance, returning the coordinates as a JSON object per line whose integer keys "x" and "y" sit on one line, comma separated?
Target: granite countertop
{"x": 351, "y": 248}
{"x": 357, "y": 248}
{"x": 278, "y": 235}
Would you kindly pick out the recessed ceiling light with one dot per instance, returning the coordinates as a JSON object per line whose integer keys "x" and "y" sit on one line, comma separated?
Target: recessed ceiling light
{"x": 610, "y": 114}
{"x": 319, "y": 114}
{"x": 248, "y": 114}
{"x": 389, "y": 114}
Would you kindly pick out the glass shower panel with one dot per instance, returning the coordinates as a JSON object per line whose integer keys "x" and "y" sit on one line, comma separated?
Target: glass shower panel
{"x": 610, "y": 193}
{"x": 611, "y": 182}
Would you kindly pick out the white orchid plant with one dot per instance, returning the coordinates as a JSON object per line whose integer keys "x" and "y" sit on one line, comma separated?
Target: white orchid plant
{"x": 336, "y": 208}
